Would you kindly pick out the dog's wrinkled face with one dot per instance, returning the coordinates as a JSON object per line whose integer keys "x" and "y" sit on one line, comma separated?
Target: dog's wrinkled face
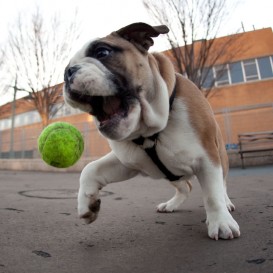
{"x": 110, "y": 77}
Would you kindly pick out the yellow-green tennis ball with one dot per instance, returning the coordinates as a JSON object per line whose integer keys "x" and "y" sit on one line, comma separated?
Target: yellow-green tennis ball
{"x": 60, "y": 145}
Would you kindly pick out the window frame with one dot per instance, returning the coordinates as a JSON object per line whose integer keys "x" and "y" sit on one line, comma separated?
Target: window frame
{"x": 219, "y": 83}
{"x": 247, "y": 78}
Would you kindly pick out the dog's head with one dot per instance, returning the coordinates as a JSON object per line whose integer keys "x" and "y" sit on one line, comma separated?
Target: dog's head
{"x": 119, "y": 83}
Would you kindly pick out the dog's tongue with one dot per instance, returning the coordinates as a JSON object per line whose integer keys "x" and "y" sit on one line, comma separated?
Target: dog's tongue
{"x": 111, "y": 105}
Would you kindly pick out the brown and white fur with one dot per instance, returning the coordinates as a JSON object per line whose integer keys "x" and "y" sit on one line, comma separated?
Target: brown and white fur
{"x": 127, "y": 90}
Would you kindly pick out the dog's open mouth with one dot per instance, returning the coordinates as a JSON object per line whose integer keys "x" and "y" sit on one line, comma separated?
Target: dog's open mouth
{"x": 107, "y": 109}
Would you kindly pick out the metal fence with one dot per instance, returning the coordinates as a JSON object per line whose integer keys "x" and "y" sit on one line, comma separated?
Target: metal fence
{"x": 244, "y": 119}
{"x": 232, "y": 122}
{"x": 24, "y": 144}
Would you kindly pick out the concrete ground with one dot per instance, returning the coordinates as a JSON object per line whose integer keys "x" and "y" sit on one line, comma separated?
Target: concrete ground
{"x": 40, "y": 230}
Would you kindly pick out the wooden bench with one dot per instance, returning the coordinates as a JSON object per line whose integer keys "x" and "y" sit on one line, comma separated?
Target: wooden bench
{"x": 251, "y": 143}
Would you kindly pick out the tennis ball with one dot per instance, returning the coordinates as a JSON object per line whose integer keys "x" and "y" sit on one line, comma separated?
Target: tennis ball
{"x": 60, "y": 145}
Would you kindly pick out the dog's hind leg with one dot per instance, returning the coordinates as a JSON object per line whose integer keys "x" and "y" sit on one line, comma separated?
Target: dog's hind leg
{"x": 182, "y": 190}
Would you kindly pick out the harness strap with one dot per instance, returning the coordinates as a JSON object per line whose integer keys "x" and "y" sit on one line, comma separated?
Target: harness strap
{"x": 151, "y": 152}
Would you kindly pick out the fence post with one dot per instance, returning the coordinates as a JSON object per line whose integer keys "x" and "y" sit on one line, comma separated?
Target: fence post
{"x": 0, "y": 144}
{"x": 23, "y": 141}
{"x": 86, "y": 138}
{"x": 227, "y": 123}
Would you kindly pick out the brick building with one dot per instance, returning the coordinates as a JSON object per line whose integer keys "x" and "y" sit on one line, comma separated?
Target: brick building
{"x": 242, "y": 100}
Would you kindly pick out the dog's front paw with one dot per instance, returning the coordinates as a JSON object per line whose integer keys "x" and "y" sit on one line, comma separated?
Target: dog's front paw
{"x": 230, "y": 206}
{"x": 222, "y": 225}
{"x": 165, "y": 207}
{"x": 88, "y": 207}
{"x": 92, "y": 214}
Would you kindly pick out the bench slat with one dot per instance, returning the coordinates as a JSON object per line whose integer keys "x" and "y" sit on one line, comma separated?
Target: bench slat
{"x": 255, "y": 150}
{"x": 255, "y": 142}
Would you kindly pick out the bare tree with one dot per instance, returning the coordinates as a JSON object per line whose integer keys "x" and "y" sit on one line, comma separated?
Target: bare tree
{"x": 2, "y": 64}
{"x": 37, "y": 51}
{"x": 1, "y": 58}
{"x": 194, "y": 26}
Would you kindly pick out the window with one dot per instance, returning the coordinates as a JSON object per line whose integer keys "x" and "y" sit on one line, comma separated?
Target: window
{"x": 221, "y": 75}
{"x": 207, "y": 80}
{"x": 18, "y": 120}
{"x": 5, "y": 124}
{"x": 63, "y": 109}
{"x": 250, "y": 70}
{"x": 27, "y": 118}
{"x": 236, "y": 72}
{"x": 265, "y": 67}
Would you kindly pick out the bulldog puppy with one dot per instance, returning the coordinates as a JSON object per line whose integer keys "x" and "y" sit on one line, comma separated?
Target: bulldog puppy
{"x": 157, "y": 123}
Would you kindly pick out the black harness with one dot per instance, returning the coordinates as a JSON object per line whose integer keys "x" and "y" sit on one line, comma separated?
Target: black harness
{"x": 151, "y": 151}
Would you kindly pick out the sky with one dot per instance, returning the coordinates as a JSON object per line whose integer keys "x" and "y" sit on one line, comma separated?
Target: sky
{"x": 100, "y": 17}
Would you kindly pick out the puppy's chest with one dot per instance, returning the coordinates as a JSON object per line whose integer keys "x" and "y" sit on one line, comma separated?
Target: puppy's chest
{"x": 178, "y": 147}
{"x": 177, "y": 150}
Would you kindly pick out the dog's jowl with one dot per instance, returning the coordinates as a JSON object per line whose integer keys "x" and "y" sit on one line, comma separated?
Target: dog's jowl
{"x": 156, "y": 121}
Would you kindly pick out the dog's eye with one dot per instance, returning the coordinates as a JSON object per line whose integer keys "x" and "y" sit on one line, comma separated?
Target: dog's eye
{"x": 102, "y": 52}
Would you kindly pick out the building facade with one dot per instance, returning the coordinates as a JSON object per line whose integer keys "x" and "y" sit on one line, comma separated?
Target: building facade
{"x": 241, "y": 98}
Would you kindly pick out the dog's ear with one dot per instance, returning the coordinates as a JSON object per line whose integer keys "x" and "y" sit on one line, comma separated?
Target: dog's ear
{"x": 140, "y": 34}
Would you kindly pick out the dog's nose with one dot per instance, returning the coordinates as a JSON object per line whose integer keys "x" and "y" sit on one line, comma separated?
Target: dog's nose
{"x": 70, "y": 73}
